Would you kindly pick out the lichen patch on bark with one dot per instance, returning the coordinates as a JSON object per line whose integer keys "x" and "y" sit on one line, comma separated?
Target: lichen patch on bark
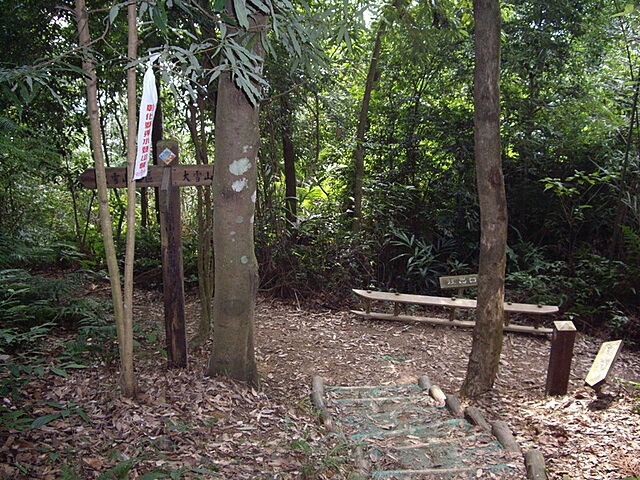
{"x": 240, "y": 166}
{"x": 240, "y": 185}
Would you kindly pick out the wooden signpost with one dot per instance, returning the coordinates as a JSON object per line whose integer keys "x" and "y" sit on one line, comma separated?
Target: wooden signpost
{"x": 168, "y": 176}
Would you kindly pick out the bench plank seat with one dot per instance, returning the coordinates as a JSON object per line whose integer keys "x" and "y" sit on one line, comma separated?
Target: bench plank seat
{"x": 451, "y": 302}
{"x": 369, "y": 296}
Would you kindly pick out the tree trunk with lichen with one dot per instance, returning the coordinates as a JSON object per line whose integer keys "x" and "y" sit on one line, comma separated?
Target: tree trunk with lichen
{"x": 236, "y": 267}
{"x": 487, "y": 335}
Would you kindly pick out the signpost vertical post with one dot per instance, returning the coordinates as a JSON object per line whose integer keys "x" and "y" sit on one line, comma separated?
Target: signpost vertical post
{"x": 171, "y": 244}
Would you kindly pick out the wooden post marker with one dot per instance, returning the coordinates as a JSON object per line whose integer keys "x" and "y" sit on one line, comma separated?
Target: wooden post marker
{"x": 169, "y": 176}
{"x": 171, "y": 245}
{"x": 603, "y": 364}
{"x": 563, "y": 339}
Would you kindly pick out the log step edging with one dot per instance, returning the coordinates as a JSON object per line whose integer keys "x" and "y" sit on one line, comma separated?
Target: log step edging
{"x": 533, "y": 459}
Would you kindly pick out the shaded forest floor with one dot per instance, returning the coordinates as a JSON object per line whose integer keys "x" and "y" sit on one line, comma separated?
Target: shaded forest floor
{"x": 185, "y": 425}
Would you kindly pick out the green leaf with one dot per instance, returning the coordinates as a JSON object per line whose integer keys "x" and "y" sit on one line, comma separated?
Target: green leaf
{"x": 113, "y": 13}
{"x": 153, "y": 475}
{"x": 218, "y": 5}
{"x": 41, "y": 421}
{"x": 629, "y": 8}
{"x": 74, "y": 365}
{"x": 83, "y": 415}
{"x": 59, "y": 371}
{"x": 242, "y": 13}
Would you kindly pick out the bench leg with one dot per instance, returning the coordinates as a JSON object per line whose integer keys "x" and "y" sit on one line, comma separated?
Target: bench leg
{"x": 507, "y": 319}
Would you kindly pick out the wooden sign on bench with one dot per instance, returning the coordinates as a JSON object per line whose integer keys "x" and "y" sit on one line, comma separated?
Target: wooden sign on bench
{"x": 459, "y": 281}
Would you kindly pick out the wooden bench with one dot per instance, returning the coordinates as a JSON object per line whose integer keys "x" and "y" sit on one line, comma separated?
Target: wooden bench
{"x": 400, "y": 300}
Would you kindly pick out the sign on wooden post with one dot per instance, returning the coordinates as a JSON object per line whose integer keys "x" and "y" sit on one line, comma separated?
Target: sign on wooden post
{"x": 181, "y": 176}
{"x": 563, "y": 339}
{"x": 603, "y": 364}
{"x": 169, "y": 176}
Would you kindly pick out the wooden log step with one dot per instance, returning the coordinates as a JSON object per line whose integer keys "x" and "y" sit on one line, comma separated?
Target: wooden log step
{"x": 317, "y": 397}
{"x": 534, "y": 463}
{"x": 438, "y": 395}
{"x": 395, "y": 399}
{"x": 503, "y": 433}
{"x": 453, "y": 404}
{"x": 411, "y": 474}
{"x": 432, "y": 443}
{"x": 475, "y": 417}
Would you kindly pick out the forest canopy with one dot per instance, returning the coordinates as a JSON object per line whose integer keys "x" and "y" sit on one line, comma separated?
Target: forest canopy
{"x": 382, "y": 196}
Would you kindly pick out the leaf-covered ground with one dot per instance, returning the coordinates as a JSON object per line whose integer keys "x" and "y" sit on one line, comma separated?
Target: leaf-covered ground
{"x": 186, "y": 425}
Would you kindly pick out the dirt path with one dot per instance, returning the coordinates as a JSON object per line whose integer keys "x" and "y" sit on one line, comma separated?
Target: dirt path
{"x": 185, "y": 425}
{"x": 580, "y": 437}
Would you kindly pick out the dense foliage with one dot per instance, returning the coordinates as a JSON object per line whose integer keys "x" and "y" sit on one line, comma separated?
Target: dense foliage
{"x": 570, "y": 144}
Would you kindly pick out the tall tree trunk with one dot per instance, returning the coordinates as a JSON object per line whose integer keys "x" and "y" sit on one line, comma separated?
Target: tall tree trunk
{"x": 234, "y": 197}
{"x": 363, "y": 119}
{"x": 88, "y": 66}
{"x": 487, "y": 335}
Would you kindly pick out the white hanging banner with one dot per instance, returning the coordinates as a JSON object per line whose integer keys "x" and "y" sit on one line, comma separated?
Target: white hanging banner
{"x": 148, "y": 105}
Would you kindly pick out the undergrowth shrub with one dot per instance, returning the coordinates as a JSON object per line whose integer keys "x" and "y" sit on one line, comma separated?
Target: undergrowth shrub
{"x": 423, "y": 262}
{"x": 313, "y": 259}
{"x": 24, "y": 253}
{"x": 531, "y": 277}
{"x": 95, "y": 341}
{"x": 599, "y": 294}
{"x": 27, "y": 300}
{"x": 32, "y": 305}
{"x": 14, "y": 339}
{"x": 148, "y": 248}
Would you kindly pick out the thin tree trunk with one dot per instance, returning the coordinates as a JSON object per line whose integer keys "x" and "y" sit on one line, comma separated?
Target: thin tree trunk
{"x": 289, "y": 154}
{"x": 126, "y": 344}
{"x": 363, "y": 119}
{"x": 197, "y": 129}
{"x": 197, "y": 121}
{"x": 88, "y": 66}
{"x": 487, "y": 335}
{"x": 621, "y": 208}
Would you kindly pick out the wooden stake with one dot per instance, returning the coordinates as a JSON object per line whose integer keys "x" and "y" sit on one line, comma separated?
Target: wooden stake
{"x": 564, "y": 336}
